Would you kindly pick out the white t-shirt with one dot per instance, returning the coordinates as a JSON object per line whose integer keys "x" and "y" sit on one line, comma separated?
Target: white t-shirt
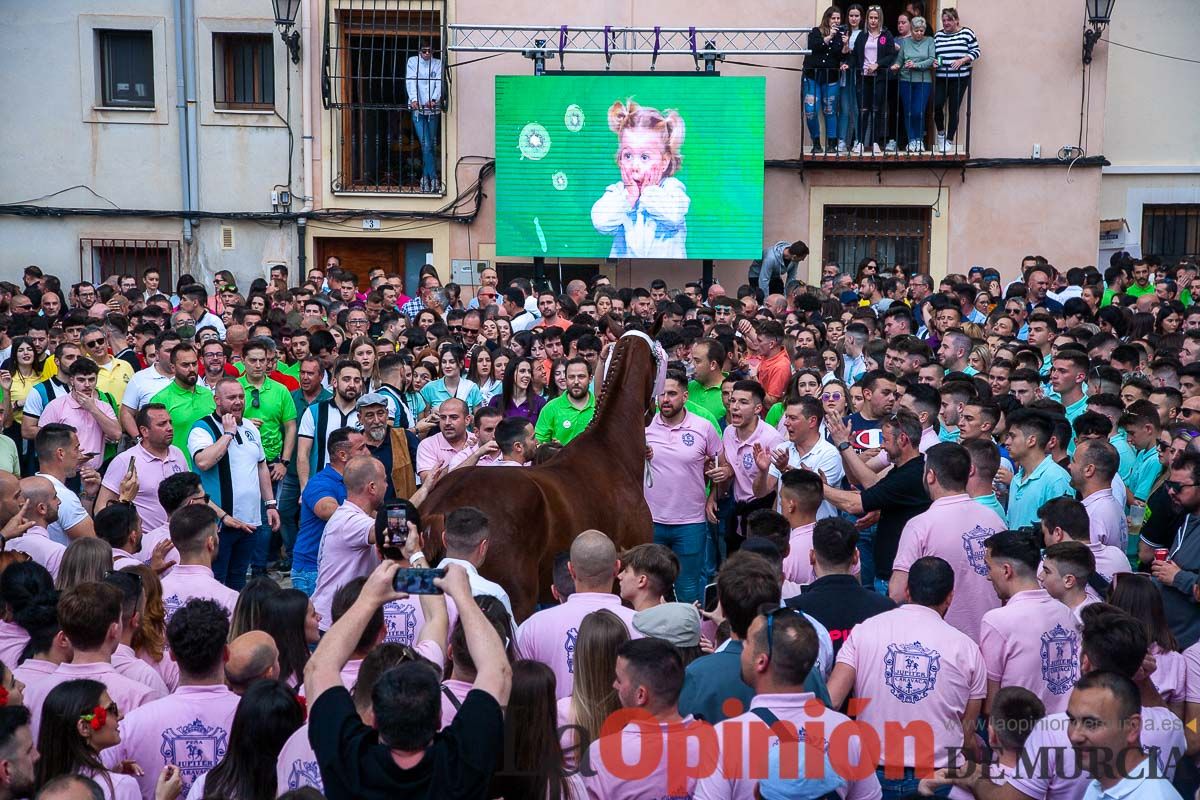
{"x": 70, "y": 511}
{"x": 244, "y": 457}
{"x": 822, "y": 458}
{"x": 211, "y": 320}
{"x": 36, "y": 402}
{"x": 308, "y": 427}
{"x": 143, "y": 386}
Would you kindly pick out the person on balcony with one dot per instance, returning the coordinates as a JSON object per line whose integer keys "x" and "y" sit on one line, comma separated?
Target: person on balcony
{"x": 821, "y": 69}
{"x": 914, "y": 64}
{"x": 848, "y": 95}
{"x": 874, "y": 53}
{"x": 957, "y": 51}
{"x": 423, "y": 80}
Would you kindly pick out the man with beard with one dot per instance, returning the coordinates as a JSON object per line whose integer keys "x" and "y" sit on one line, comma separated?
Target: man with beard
{"x": 451, "y": 445}
{"x": 41, "y": 509}
{"x": 186, "y": 401}
{"x": 18, "y": 754}
{"x": 569, "y": 414}
{"x": 144, "y": 385}
{"x": 390, "y": 446}
{"x": 326, "y": 416}
{"x": 223, "y": 446}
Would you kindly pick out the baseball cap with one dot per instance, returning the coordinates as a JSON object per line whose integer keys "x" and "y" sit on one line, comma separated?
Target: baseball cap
{"x": 848, "y": 298}
{"x": 975, "y": 270}
{"x": 372, "y": 399}
{"x": 675, "y": 623}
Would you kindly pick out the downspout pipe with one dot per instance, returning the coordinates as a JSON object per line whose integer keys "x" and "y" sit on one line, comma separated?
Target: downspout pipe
{"x": 310, "y": 48}
{"x": 181, "y": 106}
{"x": 193, "y": 124}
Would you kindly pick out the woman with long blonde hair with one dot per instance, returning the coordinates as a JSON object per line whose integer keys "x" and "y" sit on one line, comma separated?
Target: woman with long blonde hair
{"x": 85, "y": 560}
{"x": 593, "y": 697}
{"x": 150, "y": 639}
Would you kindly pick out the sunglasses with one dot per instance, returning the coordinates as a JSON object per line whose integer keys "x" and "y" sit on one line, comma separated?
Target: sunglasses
{"x": 831, "y": 396}
{"x": 1177, "y": 487}
{"x": 255, "y": 398}
{"x": 94, "y": 343}
{"x": 779, "y": 610}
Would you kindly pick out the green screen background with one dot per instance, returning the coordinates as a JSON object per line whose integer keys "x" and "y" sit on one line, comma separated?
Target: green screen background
{"x": 722, "y": 161}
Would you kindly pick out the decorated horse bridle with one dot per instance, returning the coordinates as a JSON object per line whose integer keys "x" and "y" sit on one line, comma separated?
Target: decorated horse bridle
{"x": 660, "y": 377}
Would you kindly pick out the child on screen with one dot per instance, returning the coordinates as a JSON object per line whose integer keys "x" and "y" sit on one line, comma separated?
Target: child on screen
{"x": 646, "y": 211}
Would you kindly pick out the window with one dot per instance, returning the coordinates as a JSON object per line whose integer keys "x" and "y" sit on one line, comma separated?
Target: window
{"x": 100, "y": 259}
{"x": 383, "y": 144}
{"x": 1171, "y": 231}
{"x": 126, "y": 69}
{"x": 243, "y": 71}
{"x": 557, "y": 275}
{"x": 889, "y": 234}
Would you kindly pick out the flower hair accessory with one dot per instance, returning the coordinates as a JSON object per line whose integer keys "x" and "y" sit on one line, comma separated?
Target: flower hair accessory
{"x": 96, "y": 718}
{"x": 3, "y": 696}
{"x": 303, "y": 703}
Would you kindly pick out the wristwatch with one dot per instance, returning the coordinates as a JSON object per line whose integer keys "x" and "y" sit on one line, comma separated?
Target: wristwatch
{"x": 843, "y": 447}
{"x": 271, "y": 504}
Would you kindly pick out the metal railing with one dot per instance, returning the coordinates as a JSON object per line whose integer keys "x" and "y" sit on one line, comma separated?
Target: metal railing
{"x": 100, "y": 259}
{"x": 851, "y": 117}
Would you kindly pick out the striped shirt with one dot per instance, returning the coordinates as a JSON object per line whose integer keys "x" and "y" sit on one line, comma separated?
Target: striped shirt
{"x": 953, "y": 46}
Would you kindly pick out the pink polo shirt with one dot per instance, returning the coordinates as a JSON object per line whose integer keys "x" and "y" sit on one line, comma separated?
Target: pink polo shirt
{"x": 1032, "y": 641}
{"x": 435, "y": 450}
{"x": 189, "y": 728}
{"x": 459, "y": 689}
{"x": 126, "y": 662}
{"x": 345, "y": 554}
{"x": 297, "y": 766}
{"x": 740, "y": 455}
{"x": 915, "y": 667}
{"x": 33, "y": 670}
{"x": 91, "y": 438}
{"x": 127, "y": 693}
{"x": 402, "y": 621}
{"x": 123, "y": 559}
{"x": 954, "y": 529}
{"x": 611, "y": 780}
{"x": 797, "y": 568}
{"x": 1106, "y": 518}
{"x": 151, "y": 471}
{"x": 549, "y": 636}
{"x": 37, "y": 544}
{"x": 187, "y": 581}
{"x": 1160, "y": 729}
{"x": 1170, "y": 674}
{"x": 1191, "y": 660}
{"x": 13, "y": 639}
{"x": 1109, "y": 561}
{"x": 738, "y": 733}
{"x": 166, "y": 668}
{"x": 680, "y": 452}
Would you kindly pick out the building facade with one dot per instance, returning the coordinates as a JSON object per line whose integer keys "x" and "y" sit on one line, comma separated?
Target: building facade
{"x": 166, "y": 106}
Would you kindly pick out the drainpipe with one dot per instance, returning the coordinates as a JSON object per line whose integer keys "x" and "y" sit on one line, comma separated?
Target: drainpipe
{"x": 306, "y": 138}
{"x": 189, "y": 77}
{"x": 181, "y": 106}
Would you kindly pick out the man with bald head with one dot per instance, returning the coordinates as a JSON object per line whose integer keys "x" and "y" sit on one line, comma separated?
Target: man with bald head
{"x": 549, "y": 636}
{"x": 42, "y": 509}
{"x": 252, "y": 655}
{"x": 348, "y": 544}
{"x": 451, "y": 445}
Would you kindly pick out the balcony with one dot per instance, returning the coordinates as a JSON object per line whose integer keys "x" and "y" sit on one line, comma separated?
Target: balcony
{"x": 871, "y": 115}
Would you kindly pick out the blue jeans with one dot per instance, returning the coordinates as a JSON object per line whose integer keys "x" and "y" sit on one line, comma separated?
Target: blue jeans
{"x": 305, "y": 580}
{"x": 897, "y": 788}
{"x": 826, "y": 95}
{"x": 234, "y": 554}
{"x": 866, "y": 553}
{"x": 427, "y": 127}
{"x": 848, "y": 116}
{"x": 289, "y": 511}
{"x": 688, "y": 542}
{"x": 914, "y": 96}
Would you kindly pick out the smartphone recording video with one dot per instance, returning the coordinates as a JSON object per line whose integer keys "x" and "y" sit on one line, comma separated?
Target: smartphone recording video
{"x": 395, "y": 532}
{"x": 417, "y": 581}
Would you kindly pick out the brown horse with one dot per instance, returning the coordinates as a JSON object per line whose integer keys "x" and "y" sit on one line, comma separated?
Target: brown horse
{"x": 595, "y": 482}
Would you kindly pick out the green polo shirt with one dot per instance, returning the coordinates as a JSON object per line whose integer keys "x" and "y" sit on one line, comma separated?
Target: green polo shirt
{"x": 275, "y": 407}
{"x": 289, "y": 369}
{"x": 701, "y": 411}
{"x": 185, "y": 406}
{"x": 1133, "y": 290}
{"x": 710, "y": 398}
{"x": 561, "y": 422}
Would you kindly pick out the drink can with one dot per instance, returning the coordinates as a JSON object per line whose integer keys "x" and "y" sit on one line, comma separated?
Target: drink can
{"x": 1160, "y": 554}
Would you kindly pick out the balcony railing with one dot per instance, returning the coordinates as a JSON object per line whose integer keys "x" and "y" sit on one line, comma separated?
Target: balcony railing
{"x": 855, "y": 119}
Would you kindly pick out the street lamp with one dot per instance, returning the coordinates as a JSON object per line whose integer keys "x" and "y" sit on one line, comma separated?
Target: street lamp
{"x": 1099, "y": 13}
{"x": 285, "y": 19}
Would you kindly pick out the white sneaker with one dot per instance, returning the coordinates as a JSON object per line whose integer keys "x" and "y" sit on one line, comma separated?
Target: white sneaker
{"x": 841, "y": 146}
{"x": 890, "y": 147}
{"x": 950, "y": 147}
{"x": 857, "y": 149}
{"x": 875, "y": 151}
{"x": 424, "y": 184}
{"x": 939, "y": 144}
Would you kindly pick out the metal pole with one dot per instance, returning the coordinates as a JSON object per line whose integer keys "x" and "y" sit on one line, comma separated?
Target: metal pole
{"x": 706, "y": 279}
{"x": 539, "y": 273}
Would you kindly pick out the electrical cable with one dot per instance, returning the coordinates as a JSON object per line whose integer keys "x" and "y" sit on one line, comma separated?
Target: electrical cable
{"x": 1152, "y": 53}
{"x": 61, "y": 191}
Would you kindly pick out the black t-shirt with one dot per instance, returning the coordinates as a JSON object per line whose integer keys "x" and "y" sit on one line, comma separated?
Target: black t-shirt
{"x": 898, "y": 497}
{"x": 355, "y": 766}
{"x": 839, "y": 602}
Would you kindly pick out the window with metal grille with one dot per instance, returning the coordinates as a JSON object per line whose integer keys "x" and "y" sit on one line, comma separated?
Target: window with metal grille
{"x": 243, "y": 71}
{"x": 1171, "y": 231}
{"x": 126, "y": 68}
{"x": 100, "y": 259}
{"x": 386, "y": 95}
{"x": 889, "y": 234}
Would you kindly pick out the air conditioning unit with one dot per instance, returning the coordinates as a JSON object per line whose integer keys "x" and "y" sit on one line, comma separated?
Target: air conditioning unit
{"x": 227, "y": 237}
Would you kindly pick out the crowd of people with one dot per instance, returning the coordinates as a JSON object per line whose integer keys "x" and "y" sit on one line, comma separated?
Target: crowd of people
{"x": 907, "y": 538}
{"x": 867, "y": 89}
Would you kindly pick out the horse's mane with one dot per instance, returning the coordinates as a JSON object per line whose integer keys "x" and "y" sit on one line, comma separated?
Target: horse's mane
{"x": 618, "y": 360}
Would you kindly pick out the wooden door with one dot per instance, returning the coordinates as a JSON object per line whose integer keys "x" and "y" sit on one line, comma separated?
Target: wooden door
{"x": 361, "y": 255}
